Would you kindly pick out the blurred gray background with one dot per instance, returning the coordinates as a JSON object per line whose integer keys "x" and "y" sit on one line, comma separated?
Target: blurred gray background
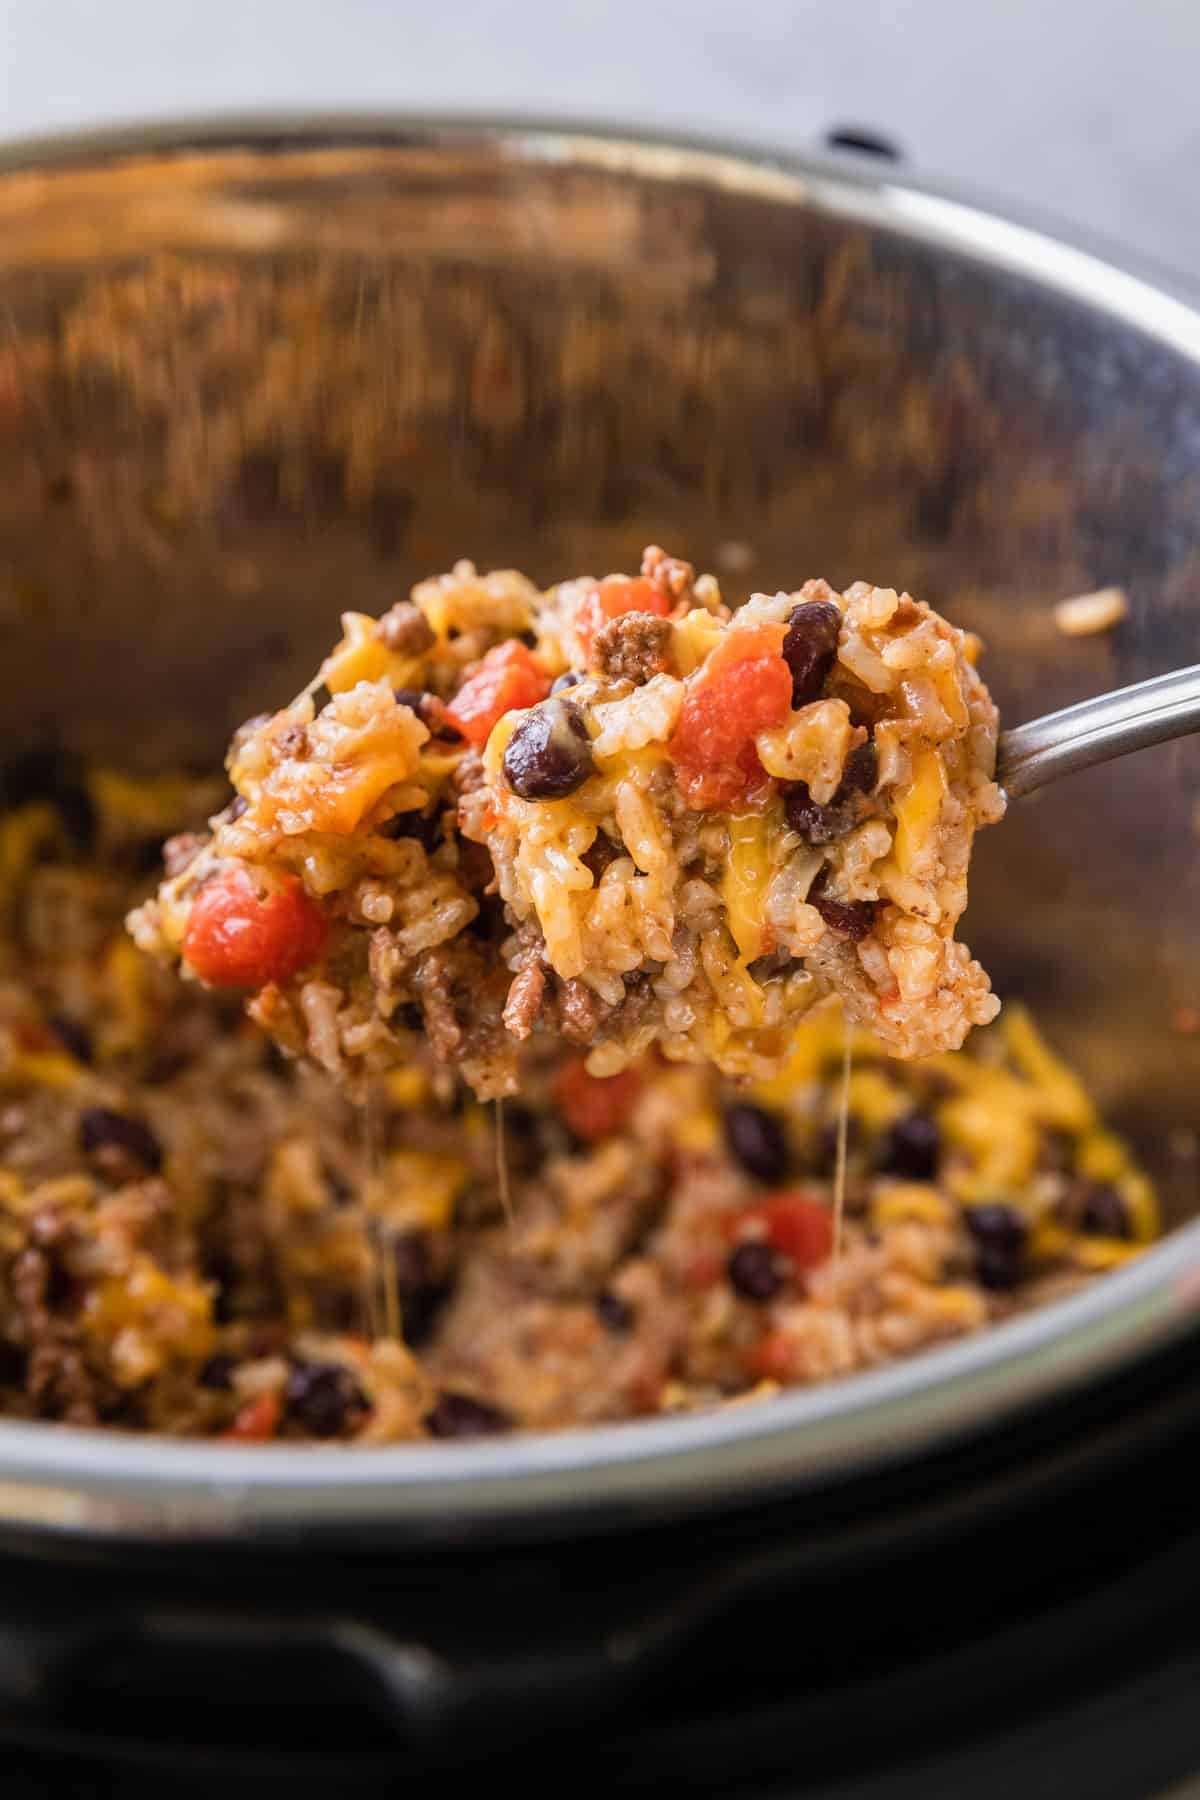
{"x": 1084, "y": 108}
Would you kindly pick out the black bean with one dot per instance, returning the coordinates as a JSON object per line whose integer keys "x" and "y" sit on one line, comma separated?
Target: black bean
{"x": 425, "y": 827}
{"x": 421, "y": 1293}
{"x": 810, "y": 647}
{"x": 217, "y": 1372}
{"x": 911, "y": 1147}
{"x": 220, "y": 1273}
{"x": 419, "y": 1314}
{"x": 462, "y": 1416}
{"x": 757, "y": 1141}
{"x": 775, "y": 965}
{"x": 102, "y": 1129}
{"x": 412, "y": 697}
{"x": 523, "y": 1138}
{"x": 816, "y": 823}
{"x": 613, "y": 1313}
{"x": 549, "y": 754}
{"x": 861, "y": 770}
{"x": 561, "y": 683}
{"x": 73, "y": 1036}
{"x": 756, "y": 1271}
{"x": 324, "y": 1399}
{"x": 1104, "y": 1213}
{"x": 849, "y": 918}
{"x": 600, "y": 854}
{"x": 1000, "y": 1234}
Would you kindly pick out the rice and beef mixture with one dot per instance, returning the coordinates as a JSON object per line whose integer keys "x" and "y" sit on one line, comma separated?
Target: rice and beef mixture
{"x": 611, "y": 814}
{"x": 199, "y": 1235}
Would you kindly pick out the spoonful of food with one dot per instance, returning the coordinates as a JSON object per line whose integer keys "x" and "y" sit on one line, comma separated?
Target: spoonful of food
{"x": 1098, "y": 730}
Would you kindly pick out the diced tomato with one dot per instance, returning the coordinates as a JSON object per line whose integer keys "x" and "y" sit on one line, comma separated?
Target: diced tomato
{"x": 593, "y": 1105}
{"x": 506, "y": 679}
{"x": 609, "y": 600}
{"x": 257, "y": 1421}
{"x": 799, "y": 1226}
{"x": 237, "y": 938}
{"x": 745, "y": 687}
{"x": 774, "y": 1357}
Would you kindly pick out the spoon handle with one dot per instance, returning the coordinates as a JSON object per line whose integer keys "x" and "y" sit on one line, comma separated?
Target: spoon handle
{"x": 1099, "y": 730}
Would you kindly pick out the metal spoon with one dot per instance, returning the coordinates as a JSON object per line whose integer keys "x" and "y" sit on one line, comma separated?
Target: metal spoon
{"x": 1098, "y": 730}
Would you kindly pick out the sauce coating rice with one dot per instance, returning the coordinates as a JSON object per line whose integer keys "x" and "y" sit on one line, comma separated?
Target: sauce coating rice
{"x": 197, "y": 1237}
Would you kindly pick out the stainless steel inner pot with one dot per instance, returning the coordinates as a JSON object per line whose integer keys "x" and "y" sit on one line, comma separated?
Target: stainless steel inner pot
{"x": 251, "y": 376}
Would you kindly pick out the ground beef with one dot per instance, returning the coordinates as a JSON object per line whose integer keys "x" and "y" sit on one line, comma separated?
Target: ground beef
{"x": 580, "y": 1012}
{"x": 670, "y": 574}
{"x": 525, "y": 998}
{"x": 57, "y": 1377}
{"x": 633, "y": 647}
{"x": 462, "y": 996}
{"x": 468, "y": 775}
{"x": 405, "y": 629}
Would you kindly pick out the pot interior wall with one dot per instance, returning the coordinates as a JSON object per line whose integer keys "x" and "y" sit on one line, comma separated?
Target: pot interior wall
{"x": 242, "y": 390}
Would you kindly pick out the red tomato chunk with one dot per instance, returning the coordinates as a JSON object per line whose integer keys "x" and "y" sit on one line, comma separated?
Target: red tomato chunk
{"x": 506, "y": 680}
{"x": 257, "y": 1421}
{"x": 612, "y": 598}
{"x": 592, "y": 1105}
{"x": 237, "y": 938}
{"x": 799, "y": 1227}
{"x": 745, "y": 687}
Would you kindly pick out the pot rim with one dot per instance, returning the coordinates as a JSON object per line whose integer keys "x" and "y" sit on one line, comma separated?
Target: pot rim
{"x": 62, "y": 1481}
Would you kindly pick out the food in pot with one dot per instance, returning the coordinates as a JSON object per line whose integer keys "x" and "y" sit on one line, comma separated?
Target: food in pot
{"x": 201, "y": 1236}
{"x": 610, "y": 813}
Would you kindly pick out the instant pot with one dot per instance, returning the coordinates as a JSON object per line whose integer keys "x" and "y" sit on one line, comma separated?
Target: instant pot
{"x": 253, "y": 375}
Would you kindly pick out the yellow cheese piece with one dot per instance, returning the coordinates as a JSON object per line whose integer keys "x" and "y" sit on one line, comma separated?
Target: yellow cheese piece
{"x": 124, "y": 980}
{"x": 744, "y": 884}
{"x": 875, "y": 1100}
{"x": 419, "y": 1187}
{"x": 1141, "y": 1203}
{"x": 50, "y": 1068}
{"x": 147, "y": 805}
{"x": 1103, "y": 1253}
{"x": 1048, "y": 1241}
{"x": 918, "y": 810}
{"x": 693, "y": 638}
{"x": 406, "y": 1087}
{"x": 910, "y": 1202}
{"x": 1061, "y": 1097}
{"x": 361, "y": 656}
{"x": 1002, "y": 1141}
{"x": 1101, "y": 1157}
{"x": 816, "y": 1044}
{"x": 699, "y": 1132}
{"x": 351, "y": 791}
